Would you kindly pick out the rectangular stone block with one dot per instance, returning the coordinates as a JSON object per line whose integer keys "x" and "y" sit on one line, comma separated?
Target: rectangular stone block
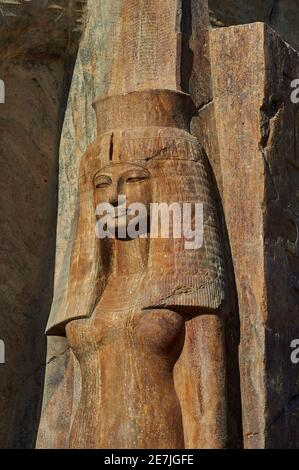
{"x": 257, "y": 127}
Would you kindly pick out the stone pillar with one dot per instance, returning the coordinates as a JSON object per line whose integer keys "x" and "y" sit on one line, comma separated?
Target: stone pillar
{"x": 257, "y": 129}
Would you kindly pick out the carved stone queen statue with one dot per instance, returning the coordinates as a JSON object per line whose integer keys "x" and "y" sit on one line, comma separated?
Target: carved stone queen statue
{"x": 131, "y": 312}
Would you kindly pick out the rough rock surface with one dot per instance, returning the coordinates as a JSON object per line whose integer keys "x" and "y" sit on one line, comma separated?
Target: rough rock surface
{"x": 35, "y": 77}
{"x": 282, "y": 15}
{"x": 41, "y": 26}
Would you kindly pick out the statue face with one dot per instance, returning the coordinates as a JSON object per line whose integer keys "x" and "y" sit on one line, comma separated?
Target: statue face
{"x": 117, "y": 180}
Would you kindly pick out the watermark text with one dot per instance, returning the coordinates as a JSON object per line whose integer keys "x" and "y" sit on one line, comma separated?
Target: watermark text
{"x": 295, "y": 352}
{"x": 2, "y": 92}
{"x": 160, "y": 220}
{"x": 2, "y": 352}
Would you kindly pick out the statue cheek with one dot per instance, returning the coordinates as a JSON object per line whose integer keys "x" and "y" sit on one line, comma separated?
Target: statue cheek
{"x": 101, "y": 196}
{"x": 97, "y": 198}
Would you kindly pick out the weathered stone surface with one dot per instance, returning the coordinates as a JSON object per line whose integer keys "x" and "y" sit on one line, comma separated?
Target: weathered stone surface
{"x": 281, "y": 15}
{"x": 33, "y": 68}
{"x": 28, "y": 210}
{"x": 257, "y": 127}
{"x": 44, "y": 27}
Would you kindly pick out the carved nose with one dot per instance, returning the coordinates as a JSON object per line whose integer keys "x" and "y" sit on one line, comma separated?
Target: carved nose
{"x": 114, "y": 200}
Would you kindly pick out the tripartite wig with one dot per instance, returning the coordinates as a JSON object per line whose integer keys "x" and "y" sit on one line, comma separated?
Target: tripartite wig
{"x": 150, "y": 128}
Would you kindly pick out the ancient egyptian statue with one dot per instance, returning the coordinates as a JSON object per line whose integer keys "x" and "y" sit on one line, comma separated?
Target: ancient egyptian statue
{"x": 130, "y": 303}
{"x": 152, "y": 341}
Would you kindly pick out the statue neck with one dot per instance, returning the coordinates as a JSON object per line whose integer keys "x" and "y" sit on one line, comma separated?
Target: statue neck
{"x": 130, "y": 256}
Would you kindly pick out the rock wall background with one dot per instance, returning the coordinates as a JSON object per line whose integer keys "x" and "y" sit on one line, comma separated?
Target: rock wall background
{"x": 281, "y": 15}
{"x": 38, "y": 44}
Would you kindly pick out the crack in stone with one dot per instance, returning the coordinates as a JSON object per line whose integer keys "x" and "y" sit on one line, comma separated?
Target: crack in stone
{"x": 44, "y": 364}
{"x": 269, "y": 113}
{"x": 57, "y": 356}
{"x": 251, "y": 434}
{"x": 269, "y": 171}
{"x": 204, "y": 104}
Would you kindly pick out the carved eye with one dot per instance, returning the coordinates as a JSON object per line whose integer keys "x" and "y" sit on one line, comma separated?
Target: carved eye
{"x": 102, "y": 182}
{"x": 137, "y": 179}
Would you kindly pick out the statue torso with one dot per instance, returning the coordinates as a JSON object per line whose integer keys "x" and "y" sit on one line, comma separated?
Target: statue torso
{"x": 127, "y": 356}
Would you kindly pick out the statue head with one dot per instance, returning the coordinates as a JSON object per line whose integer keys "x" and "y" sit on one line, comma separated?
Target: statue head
{"x": 118, "y": 187}
{"x": 123, "y": 164}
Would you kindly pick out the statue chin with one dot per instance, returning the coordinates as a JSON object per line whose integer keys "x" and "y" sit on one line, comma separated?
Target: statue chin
{"x": 119, "y": 227}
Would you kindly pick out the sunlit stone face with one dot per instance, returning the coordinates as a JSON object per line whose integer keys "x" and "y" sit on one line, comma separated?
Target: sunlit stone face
{"x": 120, "y": 185}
